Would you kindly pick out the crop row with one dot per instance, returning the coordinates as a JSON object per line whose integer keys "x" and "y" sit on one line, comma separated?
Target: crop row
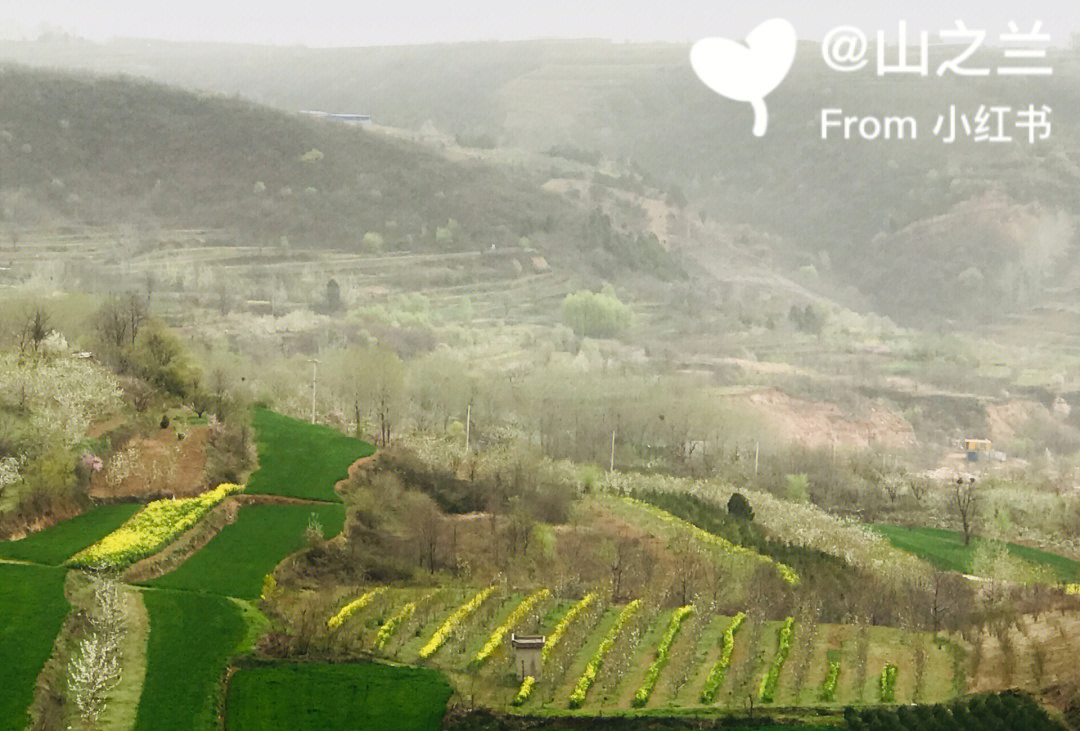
{"x": 560, "y": 629}
{"x": 391, "y": 626}
{"x": 832, "y": 677}
{"x": 151, "y": 529}
{"x": 460, "y": 614}
{"x": 525, "y": 690}
{"x": 353, "y": 607}
{"x": 641, "y": 697}
{"x": 719, "y": 671}
{"x": 495, "y": 641}
{"x": 787, "y": 573}
{"x": 767, "y": 690}
{"x": 887, "y": 683}
{"x": 588, "y": 677}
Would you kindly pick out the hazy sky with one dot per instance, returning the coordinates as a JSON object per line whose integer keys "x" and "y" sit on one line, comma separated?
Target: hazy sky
{"x": 362, "y": 22}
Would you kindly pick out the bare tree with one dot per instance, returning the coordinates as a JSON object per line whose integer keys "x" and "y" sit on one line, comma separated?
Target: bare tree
{"x": 966, "y": 500}
{"x": 35, "y": 327}
{"x": 892, "y": 484}
{"x": 918, "y": 487}
{"x": 428, "y": 527}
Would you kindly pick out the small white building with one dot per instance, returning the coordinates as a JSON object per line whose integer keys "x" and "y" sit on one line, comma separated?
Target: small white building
{"x": 528, "y": 654}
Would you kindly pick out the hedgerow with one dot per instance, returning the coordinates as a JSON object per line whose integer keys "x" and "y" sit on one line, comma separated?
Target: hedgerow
{"x": 787, "y": 573}
{"x": 641, "y": 697}
{"x": 719, "y": 671}
{"x": 767, "y": 690}
{"x": 588, "y": 677}
{"x": 1010, "y": 710}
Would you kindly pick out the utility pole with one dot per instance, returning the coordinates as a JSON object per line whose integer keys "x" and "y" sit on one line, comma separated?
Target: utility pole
{"x": 468, "y": 425}
{"x": 756, "y": 446}
{"x": 314, "y": 374}
{"x": 611, "y": 464}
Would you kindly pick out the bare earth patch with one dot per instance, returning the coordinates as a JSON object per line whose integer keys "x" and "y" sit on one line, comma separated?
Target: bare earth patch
{"x": 822, "y": 424}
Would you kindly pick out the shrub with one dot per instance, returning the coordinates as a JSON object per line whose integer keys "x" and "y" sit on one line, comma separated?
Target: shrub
{"x": 595, "y": 315}
{"x": 641, "y": 697}
{"x": 739, "y": 507}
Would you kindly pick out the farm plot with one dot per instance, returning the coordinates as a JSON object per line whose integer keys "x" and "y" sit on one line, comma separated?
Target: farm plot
{"x": 236, "y": 561}
{"x": 945, "y": 549}
{"x": 191, "y": 639}
{"x": 709, "y": 668}
{"x": 151, "y": 529}
{"x": 428, "y": 617}
{"x": 32, "y": 609}
{"x": 336, "y": 697}
{"x": 57, "y": 544}
{"x": 302, "y": 460}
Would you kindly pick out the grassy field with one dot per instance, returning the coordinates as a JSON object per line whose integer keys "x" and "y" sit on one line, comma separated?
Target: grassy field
{"x": 945, "y": 549}
{"x": 336, "y": 697}
{"x": 55, "y": 545}
{"x": 236, "y": 561}
{"x": 191, "y": 638}
{"x": 302, "y": 460}
{"x": 32, "y": 608}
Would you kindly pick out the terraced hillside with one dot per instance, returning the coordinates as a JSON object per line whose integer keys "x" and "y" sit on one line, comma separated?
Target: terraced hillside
{"x": 194, "y": 659}
{"x": 198, "y": 615}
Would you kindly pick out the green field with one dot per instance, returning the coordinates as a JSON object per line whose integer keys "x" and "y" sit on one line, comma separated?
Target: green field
{"x": 236, "y": 561}
{"x": 32, "y": 609}
{"x": 336, "y": 697}
{"x": 57, "y": 544}
{"x": 303, "y": 460}
{"x": 945, "y": 549}
{"x": 191, "y": 639}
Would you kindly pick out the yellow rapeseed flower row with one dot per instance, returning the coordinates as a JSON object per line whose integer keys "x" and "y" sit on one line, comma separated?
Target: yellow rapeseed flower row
{"x": 565, "y": 622}
{"x": 353, "y": 607}
{"x": 387, "y": 630}
{"x": 151, "y": 529}
{"x": 787, "y": 573}
{"x": 588, "y": 677}
{"x": 443, "y": 633}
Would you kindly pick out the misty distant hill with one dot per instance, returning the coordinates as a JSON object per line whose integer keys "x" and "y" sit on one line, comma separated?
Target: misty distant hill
{"x": 913, "y": 229}
{"x": 89, "y": 150}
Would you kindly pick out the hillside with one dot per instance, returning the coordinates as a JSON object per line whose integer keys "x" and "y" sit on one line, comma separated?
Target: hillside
{"x": 84, "y": 150}
{"x": 838, "y": 209}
